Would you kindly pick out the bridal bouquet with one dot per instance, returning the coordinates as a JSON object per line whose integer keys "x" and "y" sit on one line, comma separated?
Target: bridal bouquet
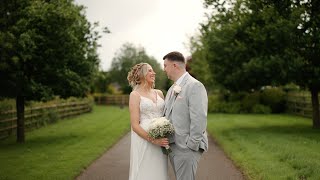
{"x": 161, "y": 128}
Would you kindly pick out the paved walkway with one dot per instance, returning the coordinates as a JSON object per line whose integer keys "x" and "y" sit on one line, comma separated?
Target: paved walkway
{"x": 114, "y": 164}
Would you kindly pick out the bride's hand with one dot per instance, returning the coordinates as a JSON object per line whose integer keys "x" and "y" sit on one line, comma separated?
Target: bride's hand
{"x": 161, "y": 142}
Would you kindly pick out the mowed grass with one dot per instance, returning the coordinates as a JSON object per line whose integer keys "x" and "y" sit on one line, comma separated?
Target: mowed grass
{"x": 64, "y": 149}
{"x": 269, "y": 146}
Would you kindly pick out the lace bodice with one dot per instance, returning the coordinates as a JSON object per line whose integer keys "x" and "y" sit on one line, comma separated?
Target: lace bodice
{"x": 150, "y": 110}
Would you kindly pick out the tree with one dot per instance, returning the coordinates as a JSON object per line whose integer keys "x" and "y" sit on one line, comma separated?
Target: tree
{"x": 127, "y": 57}
{"x": 47, "y": 48}
{"x": 197, "y": 64}
{"x": 305, "y": 68}
{"x": 250, "y": 44}
{"x": 242, "y": 52}
{"x": 101, "y": 81}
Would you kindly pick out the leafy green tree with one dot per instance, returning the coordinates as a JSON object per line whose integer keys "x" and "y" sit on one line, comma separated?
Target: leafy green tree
{"x": 242, "y": 49}
{"x": 127, "y": 57}
{"x": 101, "y": 82}
{"x": 305, "y": 66}
{"x": 47, "y": 48}
{"x": 249, "y": 44}
{"x": 198, "y": 66}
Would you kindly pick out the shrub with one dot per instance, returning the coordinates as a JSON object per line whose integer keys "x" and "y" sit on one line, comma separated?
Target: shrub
{"x": 261, "y": 109}
{"x": 270, "y": 100}
{"x": 249, "y": 101}
{"x": 275, "y": 98}
{"x": 7, "y": 104}
{"x": 232, "y": 107}
{"x": 291, "y": 87}
{"x": 48, "y": 116}
{"x": 225, "y": 107}
{"x": 237, "y": 96}
{"x": 213, "y": 102}
{"x": 73, "y": 99}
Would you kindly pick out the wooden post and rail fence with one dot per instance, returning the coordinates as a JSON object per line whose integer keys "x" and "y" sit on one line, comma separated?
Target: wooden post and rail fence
{"x": 298, "y": 103}
{"x": 38, "y": 116}
{"x": 120, "y": 100}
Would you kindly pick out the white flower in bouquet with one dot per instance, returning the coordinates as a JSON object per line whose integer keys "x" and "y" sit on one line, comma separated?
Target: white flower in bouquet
{"x": 161, "y": 128}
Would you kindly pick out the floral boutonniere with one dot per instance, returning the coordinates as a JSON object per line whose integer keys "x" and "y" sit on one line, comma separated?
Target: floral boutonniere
{"x": 176, "y": 89}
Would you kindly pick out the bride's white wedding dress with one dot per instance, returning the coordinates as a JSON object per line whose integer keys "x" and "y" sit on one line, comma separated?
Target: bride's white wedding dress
{"x": 147, "y": 162}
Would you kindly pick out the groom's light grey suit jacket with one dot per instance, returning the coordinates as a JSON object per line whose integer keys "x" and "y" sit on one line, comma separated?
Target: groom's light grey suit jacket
{"x": 188, "y": 113}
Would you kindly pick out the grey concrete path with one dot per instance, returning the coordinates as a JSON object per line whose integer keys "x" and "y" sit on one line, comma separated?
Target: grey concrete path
{"x": 114, "y": 164}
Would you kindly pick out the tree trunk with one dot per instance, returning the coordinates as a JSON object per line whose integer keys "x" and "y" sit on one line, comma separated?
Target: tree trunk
{"x": 315, "y": 108}
{"x": 20, "y": 118}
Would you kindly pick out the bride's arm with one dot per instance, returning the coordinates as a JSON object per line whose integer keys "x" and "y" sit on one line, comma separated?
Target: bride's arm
{"x": 134, "y": 108}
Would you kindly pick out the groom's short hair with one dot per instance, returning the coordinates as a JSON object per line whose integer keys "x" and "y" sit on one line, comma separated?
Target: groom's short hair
{"x": 174, "y": 56}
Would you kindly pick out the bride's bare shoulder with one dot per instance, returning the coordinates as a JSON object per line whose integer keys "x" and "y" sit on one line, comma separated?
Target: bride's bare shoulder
{"x": 134, "y": 95}
{"x": 160, "y": 93}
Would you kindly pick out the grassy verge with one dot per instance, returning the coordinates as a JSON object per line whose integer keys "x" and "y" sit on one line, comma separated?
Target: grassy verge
{"x": 62, "y": 150}
{"x": 269, "y": 146}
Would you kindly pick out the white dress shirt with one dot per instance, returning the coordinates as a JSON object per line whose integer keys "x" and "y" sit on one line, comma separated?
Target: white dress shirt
{"x": 178, "y": 82}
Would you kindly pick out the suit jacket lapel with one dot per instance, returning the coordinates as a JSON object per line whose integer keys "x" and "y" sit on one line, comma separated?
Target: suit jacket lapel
{"x": 167, "y": 100}
{"x": 172, "y": 100}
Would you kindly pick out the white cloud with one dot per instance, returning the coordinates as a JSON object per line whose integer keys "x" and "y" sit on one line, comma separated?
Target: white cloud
{"x": 160, "y": 26}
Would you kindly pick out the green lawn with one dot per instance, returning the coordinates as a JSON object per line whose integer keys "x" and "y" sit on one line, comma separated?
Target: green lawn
{"x": 62, "y": 150}
{"x": 269, "y": 146}
{"x": 263, "y": 146}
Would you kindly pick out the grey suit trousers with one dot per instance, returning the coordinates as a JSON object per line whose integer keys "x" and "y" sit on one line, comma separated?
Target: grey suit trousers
{"x": 184, "y": 162}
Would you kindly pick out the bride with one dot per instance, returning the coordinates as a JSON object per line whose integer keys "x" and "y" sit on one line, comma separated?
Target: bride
{"x": 146, "y": 158}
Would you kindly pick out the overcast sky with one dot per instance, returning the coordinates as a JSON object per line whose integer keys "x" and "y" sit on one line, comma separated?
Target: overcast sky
{"x": 160, "y": 26}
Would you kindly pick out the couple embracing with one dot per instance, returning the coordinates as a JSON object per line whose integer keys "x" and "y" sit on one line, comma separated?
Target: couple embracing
{"x": 185, "y": 105}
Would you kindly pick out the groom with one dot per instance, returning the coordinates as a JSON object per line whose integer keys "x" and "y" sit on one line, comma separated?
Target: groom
{"x": 186, "y": 105}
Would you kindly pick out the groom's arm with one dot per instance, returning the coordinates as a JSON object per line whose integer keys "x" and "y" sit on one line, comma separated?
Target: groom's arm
{"x": 198, "y": 108}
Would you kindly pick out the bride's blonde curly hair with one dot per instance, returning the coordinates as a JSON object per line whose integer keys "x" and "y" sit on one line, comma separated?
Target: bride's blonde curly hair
{"x": 138, "y": 74}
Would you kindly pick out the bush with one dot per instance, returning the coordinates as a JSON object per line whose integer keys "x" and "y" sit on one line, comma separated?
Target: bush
{"x": 249, "y": 101}
{"x": 238, "y": 96}
{"x": 7, "y": 104}
{"x": 48, "y": 116}
{"x": 291, "y": 87}
{"x": 213, "y": 102}
{"x": 269, "y": 100}
{"x": 73, "y": 99}
{"x": 225, "y": 107}
{"x": 261, "y": 109}
{"x": 275, "y": 98}
{"x": 232, "y": 107}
